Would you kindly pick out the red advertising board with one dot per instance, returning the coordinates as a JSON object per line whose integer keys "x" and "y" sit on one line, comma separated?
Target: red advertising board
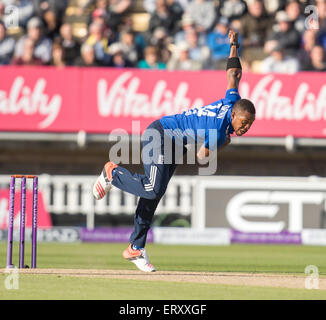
{"x": 99, "y": 100}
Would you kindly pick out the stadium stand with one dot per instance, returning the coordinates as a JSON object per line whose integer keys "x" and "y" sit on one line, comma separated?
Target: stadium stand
{"x": 265, "y": 28}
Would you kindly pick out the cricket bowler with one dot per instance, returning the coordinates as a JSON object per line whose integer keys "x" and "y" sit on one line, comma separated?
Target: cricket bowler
{"x": 225, "y": 116}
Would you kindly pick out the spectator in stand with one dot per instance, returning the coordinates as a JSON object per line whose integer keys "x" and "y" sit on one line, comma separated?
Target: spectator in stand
{"x": 203, "y": 13}
{"x": 25, "y": 11}
{"x": 28, "y": 57}
{"x": 87, "y": 58}
{"x": 99, "y": 42}
{"x": 219, "y": 43}
{"x": 285, "y": 35}
{"x": 52, "y": 26}
{"x": 254, "y": 28}
{"x": 162, "y": 41}
{"x": 180, "y": 59}
{"x": 51, "y": 12}
{"x": 308, "y": 42}
{"x": 151, "y": 60}
{"x": 197, "y": 52}
{"x": 279, "y": 62}
{"x": 129, "y": 47}
{"x": 115, "y": 10}
{"x": 188, "y": 24}
{"x": 232, "y": 9}
{"x": 7, "y": 46}
{"x": 118, "y": 60}
{"x": 71, "y": 48}
{"x": 100, "y": 17}
{"x": 58, "y": 55}
{"x": 293, "y": 9}
{"x": 163, "y": 17}
{"x": 317, "y": 59}
{"x": 43, "y": 45}
{"x": 140, "y": 38}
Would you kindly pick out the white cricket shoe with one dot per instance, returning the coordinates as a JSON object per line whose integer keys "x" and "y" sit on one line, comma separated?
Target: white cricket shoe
{"x": 140, "y": 258}
{"x": 103, "y": 184}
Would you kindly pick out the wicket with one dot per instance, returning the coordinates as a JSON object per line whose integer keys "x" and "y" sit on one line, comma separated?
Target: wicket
{"x": 22, "y": 220}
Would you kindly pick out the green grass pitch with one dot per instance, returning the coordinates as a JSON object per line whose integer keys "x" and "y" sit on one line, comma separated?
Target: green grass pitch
{"x": 268, "y": 259}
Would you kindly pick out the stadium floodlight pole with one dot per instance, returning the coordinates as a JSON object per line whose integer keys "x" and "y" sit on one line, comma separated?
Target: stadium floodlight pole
{"x": 11, "y": 221}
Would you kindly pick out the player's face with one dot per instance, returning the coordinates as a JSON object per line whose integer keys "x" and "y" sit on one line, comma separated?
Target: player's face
{"x": 242, "y": 121}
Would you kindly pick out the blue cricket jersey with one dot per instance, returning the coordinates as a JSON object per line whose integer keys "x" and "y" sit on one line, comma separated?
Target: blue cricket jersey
{"x": 209, "y": 124}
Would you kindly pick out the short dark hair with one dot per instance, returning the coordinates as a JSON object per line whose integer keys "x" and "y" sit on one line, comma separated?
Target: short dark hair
{"x": 245, "y": 105}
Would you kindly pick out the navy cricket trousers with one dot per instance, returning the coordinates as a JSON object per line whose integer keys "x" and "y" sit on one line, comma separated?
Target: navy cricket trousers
{"x": 151, "y": 185}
